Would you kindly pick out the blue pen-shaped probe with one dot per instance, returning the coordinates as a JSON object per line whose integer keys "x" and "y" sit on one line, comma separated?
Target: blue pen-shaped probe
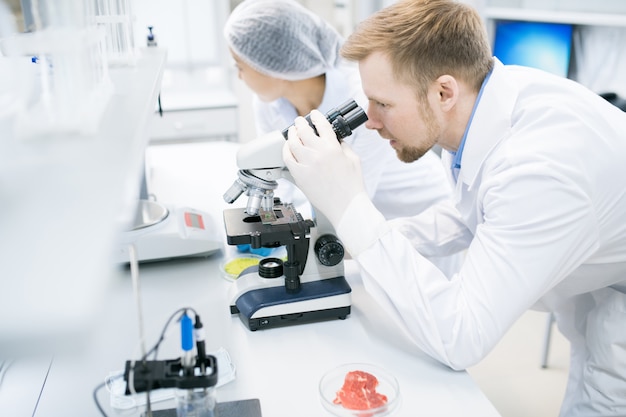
{"x": 186, "y": 338}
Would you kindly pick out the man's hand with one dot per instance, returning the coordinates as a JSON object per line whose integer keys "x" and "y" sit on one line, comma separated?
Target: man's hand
{"x": 328, "y": 172}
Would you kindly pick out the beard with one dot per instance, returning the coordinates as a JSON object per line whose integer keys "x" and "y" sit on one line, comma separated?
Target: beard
{"x": 410, "y": 154}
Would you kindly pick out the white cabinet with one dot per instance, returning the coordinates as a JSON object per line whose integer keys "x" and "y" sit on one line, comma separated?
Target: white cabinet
{"x": 194, "y": 124}
{"x": 195, "y": 105}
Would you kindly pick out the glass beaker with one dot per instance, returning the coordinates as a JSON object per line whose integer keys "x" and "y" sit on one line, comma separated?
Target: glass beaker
{"x": 195, "y": 402}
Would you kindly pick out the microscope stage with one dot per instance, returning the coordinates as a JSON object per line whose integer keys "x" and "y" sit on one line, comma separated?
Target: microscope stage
{"x": 241, "y": 227}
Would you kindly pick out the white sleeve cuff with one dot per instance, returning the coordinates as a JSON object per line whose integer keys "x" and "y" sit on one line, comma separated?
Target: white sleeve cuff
{"x": 361, "y": 225}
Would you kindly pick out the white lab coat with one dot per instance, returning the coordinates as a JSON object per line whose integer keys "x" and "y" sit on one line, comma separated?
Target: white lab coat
{"x": 396, "y": 188}
{"x": 540, "y": 205}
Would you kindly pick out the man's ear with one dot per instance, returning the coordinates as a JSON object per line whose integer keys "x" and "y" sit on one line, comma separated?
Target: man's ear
{"x": 448, "y": 91}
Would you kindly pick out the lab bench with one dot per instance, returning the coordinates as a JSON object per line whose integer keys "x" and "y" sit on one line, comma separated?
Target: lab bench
{"x": 281, "y": 367}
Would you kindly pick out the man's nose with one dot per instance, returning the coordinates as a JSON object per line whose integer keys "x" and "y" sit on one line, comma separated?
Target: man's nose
{"x": 372, "y": 121}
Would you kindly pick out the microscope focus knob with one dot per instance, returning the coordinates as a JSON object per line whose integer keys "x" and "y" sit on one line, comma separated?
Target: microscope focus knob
{"x": 329, "y": 250}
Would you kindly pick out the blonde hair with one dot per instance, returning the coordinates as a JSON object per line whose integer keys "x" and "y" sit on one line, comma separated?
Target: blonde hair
{"x": 425, "y": 39}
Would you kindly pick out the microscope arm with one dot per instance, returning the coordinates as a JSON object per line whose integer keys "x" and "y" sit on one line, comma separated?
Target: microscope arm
{"x": 265, "y": 152}
{"x": 261, "y": 163}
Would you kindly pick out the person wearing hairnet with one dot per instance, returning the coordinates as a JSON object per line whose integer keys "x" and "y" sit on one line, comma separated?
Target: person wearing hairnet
{"x": 537, "y": 163}
{"x": 289, "y": 57}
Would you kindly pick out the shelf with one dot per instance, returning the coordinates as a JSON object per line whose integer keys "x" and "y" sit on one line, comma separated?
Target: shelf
{"x": 554, "y": 16}
{"x": 65, "y": 199}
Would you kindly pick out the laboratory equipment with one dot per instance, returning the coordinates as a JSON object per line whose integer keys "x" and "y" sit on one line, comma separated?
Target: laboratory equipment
{"x": 116, "y": 19}
{"x": 310, "y": 284}
{"x": 155, "y": 374}
{"x": 161, "y": 232}
{"x": 71, "y": 86}
{"x": 194, "y": 376}
{"x": 151, "y": 38}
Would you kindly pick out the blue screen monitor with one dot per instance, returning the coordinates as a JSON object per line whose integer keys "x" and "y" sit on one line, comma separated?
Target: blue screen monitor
{"x": 546, "y": 46}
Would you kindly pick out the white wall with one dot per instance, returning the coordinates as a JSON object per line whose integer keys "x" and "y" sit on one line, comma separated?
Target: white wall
{"x": 189, "y": 29}
{"x": 192, "y": 32}
{"x": 601, "y": 58}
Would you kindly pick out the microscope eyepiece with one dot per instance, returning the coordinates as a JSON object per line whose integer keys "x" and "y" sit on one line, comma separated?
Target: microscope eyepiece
{"x": 355, "y": 118}
{"x": 344, "y": 125}
{"x": 340, "y": 111}
{"x": 344, "y": 118}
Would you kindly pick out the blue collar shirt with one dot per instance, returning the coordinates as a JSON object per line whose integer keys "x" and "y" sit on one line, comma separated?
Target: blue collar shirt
{"x": 458, "y": 155}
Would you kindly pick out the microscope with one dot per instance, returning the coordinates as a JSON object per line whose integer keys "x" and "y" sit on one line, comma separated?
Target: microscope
{"x": 310, "y": 284}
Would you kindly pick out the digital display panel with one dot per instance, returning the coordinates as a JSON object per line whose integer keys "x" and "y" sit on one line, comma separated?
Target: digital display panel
{"x": 546, "y": 46}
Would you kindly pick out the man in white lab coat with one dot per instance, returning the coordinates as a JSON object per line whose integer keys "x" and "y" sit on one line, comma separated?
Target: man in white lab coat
{"x": 538, "y": 163}
{"x": 289, "y": 57}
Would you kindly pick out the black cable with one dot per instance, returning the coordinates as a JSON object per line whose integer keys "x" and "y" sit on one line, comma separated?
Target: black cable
{"x": 4, "y": 367}
{"x": 42, "y": 386}
{"x": 154, "y": 349}
{"x": 95, "y": 398}
{"x": 162, "y": 337}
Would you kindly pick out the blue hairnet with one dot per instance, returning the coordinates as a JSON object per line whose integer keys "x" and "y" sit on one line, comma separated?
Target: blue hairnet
{"x": 282, "y": 39}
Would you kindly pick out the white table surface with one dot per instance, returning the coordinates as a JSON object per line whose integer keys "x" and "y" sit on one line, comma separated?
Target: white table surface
{"x": 282, "y": 366}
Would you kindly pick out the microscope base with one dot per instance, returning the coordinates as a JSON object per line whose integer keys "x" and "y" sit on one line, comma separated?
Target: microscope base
{"x": 295, "y": 318}
{"x": 274, "y": 307}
